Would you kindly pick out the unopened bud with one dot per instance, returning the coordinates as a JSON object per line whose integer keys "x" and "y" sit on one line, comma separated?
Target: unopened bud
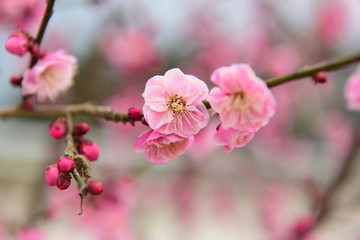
{"x": 144, "y": 122}
{"x": 66, "y": 164}
{"x": 57, "y": 129}
{"x": 35, "y": 51}
{"x": 135, "y": 113}
{"x": 89, "y": 149}
{"x": 63, "y": 181}
{"x": 18, "y": 43}
{"x": 320, "y": 77}
{"x": 27, "y": 103}
{"x": 80, "y": 129}
{"x": 16, "y": 80}
{"x": 94, "y": 187}
{"x": 52, "y": 174}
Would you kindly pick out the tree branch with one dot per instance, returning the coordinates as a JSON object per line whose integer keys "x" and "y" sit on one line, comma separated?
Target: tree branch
{"x": 107, "y": 113}
{"x": 70, "y": 151}
{"x": 304, "y": 72}
{"x": 44, "y": 22}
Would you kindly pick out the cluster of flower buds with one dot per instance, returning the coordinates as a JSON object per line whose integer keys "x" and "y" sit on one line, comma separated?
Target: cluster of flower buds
{"x": 59, "y": 174}
{"x": 86, "y": 147}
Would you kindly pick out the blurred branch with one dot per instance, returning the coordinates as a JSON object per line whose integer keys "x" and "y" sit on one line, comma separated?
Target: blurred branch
{"x": 107, "y": 113}
{"x": 340, "y": 181}
{"x": 309, "y": 71}
{"x": 44, "y": 22}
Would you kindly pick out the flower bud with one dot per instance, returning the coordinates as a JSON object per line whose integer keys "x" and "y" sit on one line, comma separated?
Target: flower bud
{"x": 89, "y": 149}
{"x": 35, "y": 51}
{"x": 63, "y": 181}
{"x": 27, "y": 103}
{"x": 80, "y": 129}
{"x": 144, "y": 122}
{"x": 52, "y": 174}
{"x": 320, "y": 77}
{"x": 18, "y": 43}
{"x": 135, "y": 113}
{"x": 57, "y": 129}
{"x": 304, "y": 225}
{"x": 16, "y": 80}
{"x": 66, "y": 164}
{"x": 94, "y": 187}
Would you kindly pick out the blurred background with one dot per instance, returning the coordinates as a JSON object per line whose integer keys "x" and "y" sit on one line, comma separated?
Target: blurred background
{"x": 271, "y": 189}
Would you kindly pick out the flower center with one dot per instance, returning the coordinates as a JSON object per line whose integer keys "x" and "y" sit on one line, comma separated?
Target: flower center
{"x": 240, "y": 100}
{"x": 176, "y": 104}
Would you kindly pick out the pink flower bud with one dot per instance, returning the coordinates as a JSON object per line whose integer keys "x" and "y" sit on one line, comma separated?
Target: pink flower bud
{"x": 16, "y": 80}
{"x": 304, "y": 225}
{"x": 63, "y": 181}
{"x": 80, "y": 129}
{"x": 57, "y": 129}
{"x": 144, "y": 122}
{"x": 89, "y": 149}
{"x": 18, "y": 43}
{"x": 94, "y": 187}
{"x": 320, "y": 77}
{"x": 27, "y": 103}
{"x": 66, "y": 164}
{"x": 135, "y": 113}
{"x": 52, "y": 174}
{"x": 35, "y": 51}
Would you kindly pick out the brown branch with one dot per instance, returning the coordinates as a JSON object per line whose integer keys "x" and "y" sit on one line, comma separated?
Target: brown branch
{"x": 340, "y": 181}
{"x": 107, "y": 113}
{"x": 70, "y": 151}
{"x": 51, "y": 111}
{"x": 44, "y": 22}
{"x": 304, "y": 72}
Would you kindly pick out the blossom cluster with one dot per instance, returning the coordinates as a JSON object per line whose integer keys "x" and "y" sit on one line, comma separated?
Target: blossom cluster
{"x": 49, "y": 76}
{"x": 175, "y": 112}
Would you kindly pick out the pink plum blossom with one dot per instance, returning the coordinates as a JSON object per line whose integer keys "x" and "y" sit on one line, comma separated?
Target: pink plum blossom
{"x": 52, "y": 75}
{"x": 332, "y": 19}
{"x": 230, "y": 138}
{"x": 21, "y": 13}
{"x": 130, "y": 50}
{"x": 160, "y": 148}
{"x": 352, "y": 91}
{"x": 243, "y": 100}
{"x": 173, "y": 103}
{"x": 30, "y": 234}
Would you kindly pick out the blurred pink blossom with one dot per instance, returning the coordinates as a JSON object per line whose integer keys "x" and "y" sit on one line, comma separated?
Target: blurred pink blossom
{"x": 160, "y": 148}
{"x": 21, "y": 13}
{"x": 243, "y": 100}
{"x": 173, "y": 103}
{"x": 332, "y": 19}
{"x": 52, "y": 75}
{"x": 130, "y": 50}
{"x": 352, "y": 91}
{"x": 30, "y": 234}
{"x": 230, "y": 138}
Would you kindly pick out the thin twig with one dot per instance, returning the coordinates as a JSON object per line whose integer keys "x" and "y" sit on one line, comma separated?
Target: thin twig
{"x": 309, "y": 71}
{"x": 44, "y": 22}
{"x": 340, "y": 180}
